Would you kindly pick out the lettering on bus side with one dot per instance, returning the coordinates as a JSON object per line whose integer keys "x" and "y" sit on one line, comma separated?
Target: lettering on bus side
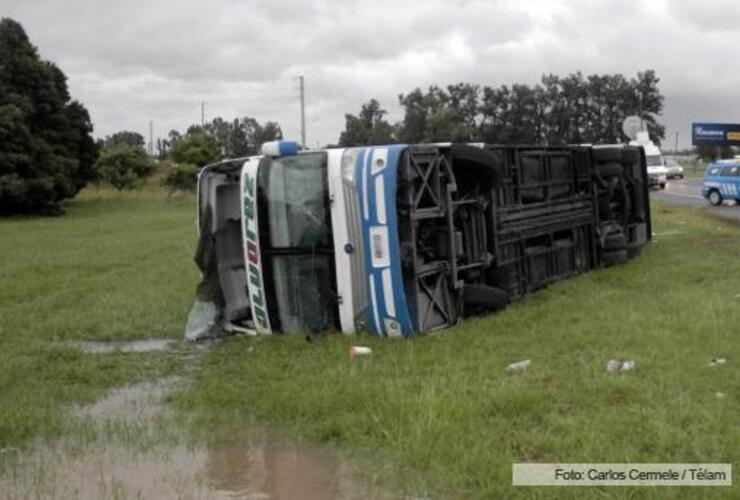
{"x": 256, "y": 294}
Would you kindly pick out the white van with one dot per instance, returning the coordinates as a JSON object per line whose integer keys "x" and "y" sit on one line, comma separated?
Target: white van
{"x": 656, "y": 169}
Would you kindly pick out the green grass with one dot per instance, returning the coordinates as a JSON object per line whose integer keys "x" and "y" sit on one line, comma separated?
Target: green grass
{"x": 436, "y": 413}
{"x": 116, "y": 266}
{"x": 441, "y": 409}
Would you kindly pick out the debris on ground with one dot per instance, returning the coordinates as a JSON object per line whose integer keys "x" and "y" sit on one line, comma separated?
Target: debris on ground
{"x": 519, "y": 366}
{"x": 619, "y": 365}
{"x": 717, "y": 361}
{"x": 720, "y": 395}
{"x": 358, "y": 350}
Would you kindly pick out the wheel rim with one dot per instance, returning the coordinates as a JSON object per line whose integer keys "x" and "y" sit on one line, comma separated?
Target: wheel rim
{"x": 714, "y": 197}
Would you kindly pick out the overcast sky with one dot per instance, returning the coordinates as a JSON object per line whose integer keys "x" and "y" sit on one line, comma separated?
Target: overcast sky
{"x": 136, "y": 60}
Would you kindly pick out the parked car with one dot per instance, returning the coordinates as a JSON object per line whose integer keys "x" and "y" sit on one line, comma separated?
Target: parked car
{"x": 673, "y": 169}
{"x": 722, "y": 182}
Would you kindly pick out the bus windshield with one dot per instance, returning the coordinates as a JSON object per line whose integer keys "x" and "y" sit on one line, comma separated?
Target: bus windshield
{"x": 296, "y": 237}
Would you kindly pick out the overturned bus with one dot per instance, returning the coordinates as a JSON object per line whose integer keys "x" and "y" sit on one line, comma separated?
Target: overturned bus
{"x": 405, "y": 239}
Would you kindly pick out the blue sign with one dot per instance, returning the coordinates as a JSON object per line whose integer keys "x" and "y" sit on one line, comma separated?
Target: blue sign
{"x": 715, "y": 134}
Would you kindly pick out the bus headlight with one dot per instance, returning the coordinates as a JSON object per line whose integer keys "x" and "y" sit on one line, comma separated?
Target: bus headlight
{"x": 349, "y": 159}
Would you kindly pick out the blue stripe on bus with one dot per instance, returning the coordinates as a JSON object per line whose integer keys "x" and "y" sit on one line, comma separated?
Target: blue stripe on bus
{"x": 378, "y": 305}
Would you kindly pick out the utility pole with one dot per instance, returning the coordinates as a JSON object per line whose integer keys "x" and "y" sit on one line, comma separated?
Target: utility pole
{"x": 675, "y": 144}
{"x": 151, "y": 138}
{"x": 303, "y": 111}
{"x": 202, "y": 114}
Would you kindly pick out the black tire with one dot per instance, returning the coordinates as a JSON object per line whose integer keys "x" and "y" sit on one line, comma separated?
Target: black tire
{"x": 609, "y": 169}
{"x": 615, "y": 241}
{"x": 715, "y": 197}
{"x": 601, "y": 155}
{"x": 662, "y": 186}
{"x": 614, "y": 257}
{"x": 630, "y": 156}
{"x": 484, "y": 298}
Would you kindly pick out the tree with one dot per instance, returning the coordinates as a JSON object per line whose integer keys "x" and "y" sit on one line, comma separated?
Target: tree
{"x": 560, "y": 110}
{"x": 239, "y": 137}
{"x": 124, "y": 166}
{"x": 714, "y": 153}
{"x": 195, "y": 148}
{"x": 648, "y": 102}
{"x": 182, "y": 177}
{"x": 125, "y": 137}
{"x": 46, "y": 147}
{"x": 270, "y": 131}
{"x": 438, "y": 115}
{"x": 367, "y": 128}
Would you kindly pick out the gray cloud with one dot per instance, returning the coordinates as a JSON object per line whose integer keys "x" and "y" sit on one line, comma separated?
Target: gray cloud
{"x": 133, "y": 61}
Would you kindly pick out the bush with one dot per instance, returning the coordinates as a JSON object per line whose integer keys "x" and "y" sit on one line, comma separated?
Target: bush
{"x": 183, "y": 177}
{"x": 124, "y": 167}
{"x": 196, "y": 149}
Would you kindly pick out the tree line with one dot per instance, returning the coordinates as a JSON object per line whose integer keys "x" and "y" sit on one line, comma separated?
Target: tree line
{"x": 124, "y": 163}
{"x": 231, "y": 138}
{"x": 559, "y": 110}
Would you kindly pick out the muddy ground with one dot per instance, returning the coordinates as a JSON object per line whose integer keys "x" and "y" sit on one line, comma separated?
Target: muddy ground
{"x": 131, "y": 445}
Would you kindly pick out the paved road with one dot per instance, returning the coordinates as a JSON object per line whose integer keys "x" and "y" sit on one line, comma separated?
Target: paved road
{"x": 687, "y": 192}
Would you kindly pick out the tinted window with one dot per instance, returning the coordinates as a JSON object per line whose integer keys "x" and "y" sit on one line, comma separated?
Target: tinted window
{"x": 714, "y": 171}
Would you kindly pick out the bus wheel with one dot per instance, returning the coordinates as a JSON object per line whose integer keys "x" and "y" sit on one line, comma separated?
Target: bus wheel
{"x": 715, "y": 198}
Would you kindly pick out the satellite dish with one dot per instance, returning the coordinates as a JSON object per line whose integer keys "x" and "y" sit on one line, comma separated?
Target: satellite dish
{"x": 631, "y": 126}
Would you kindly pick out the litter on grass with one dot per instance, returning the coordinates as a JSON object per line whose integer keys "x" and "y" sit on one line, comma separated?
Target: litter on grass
{"x": 717, "y": 361}
{"x": 358, "y": 350}
{"x": 720, "y": 395}
{"x": 617, "y": 365}
{"x": 519, "y": 366}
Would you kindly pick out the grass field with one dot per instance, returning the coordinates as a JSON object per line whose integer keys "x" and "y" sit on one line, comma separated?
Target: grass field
{"x": 442, "y": 409}
{"x": 435, "y": 414}
{"x": 116, "y": 266}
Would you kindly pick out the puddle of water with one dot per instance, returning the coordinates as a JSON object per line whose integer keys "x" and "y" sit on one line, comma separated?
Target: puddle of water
{"x": 100, "y": 347}
{"x": 251, "y": 469}
{"x": 131, "y": 404}
{"x": 256, "y": 464}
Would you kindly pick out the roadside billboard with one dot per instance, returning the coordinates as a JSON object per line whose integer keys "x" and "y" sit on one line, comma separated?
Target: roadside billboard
{"x": 715, "y": 134}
